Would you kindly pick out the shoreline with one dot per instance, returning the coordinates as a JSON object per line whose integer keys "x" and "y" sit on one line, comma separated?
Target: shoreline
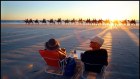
{"x": 73, "y": 25}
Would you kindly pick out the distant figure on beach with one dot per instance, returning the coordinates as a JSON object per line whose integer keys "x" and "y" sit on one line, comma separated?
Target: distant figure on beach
{"x": 132, "y": 22}
{"x": 88, "y": 21}
{"x": 94, "y": 22}
{"x": 73, "y": 21}
{"x": 100, "y": 21}
{"x": 30, "y": 21}
{"x": 44, "y": 21}
{"x": 95, "y": 56}
{"x": 51, "y": 21}
{"x": 36, "y": 21}
{"x": 80, "y": 21}
{"x": 107, "y": 22}
{"x": 26, "y": 21}
{"x": 67, "y": 21}
{"x": 53, "y": 49}
{"x": 59, "y": 21}
{"x": 124, "y": 22}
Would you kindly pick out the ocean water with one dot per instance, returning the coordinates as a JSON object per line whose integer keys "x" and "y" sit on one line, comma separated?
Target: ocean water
{"x": 12, "y": 22}
{"x": 22, "y": 22}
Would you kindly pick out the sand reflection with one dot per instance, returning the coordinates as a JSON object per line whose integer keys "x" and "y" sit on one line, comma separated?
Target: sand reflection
{"x": 108, "y": 44}
{"x": 132, "y": 36}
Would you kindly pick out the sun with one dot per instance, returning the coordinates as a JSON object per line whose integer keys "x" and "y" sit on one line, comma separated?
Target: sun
{"x": 111, "y": 14}
{"x": 114, "y": 12}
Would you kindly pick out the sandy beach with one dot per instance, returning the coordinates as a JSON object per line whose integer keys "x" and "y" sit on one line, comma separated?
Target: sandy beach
{"x": 20, "y": 44}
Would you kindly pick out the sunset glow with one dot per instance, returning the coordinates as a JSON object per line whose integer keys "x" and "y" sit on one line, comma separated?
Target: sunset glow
{"x": 18, "y": 10}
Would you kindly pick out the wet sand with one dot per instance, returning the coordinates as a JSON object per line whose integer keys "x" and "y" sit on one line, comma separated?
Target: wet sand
{"x": 20, "y": 44}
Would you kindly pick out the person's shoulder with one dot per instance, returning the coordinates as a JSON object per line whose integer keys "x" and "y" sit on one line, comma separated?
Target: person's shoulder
{"x": 104, "y": 50}
{"x": 88, "y": 51}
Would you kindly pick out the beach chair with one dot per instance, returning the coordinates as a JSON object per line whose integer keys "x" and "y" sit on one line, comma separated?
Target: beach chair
{"x": 94, "y": 69}
{"x": 54, "y": 64}
{"x": 93, "y": 74}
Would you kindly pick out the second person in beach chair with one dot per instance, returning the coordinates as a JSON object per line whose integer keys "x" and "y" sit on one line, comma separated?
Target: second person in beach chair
{"x": 53, "y": 46}
{"x": 95, "y": 56}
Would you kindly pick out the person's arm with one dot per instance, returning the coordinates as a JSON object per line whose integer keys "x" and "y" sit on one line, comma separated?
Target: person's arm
{"x": 83, "y": 57}
{"x": 82, "y": 54}
{"x": 62, "y": 53}
{"x": 106, "y": 57}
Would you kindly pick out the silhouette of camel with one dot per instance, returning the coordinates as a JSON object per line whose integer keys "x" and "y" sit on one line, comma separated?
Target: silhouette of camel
{"x": 51, "y": 21}
{"x": 94, "y": 21}
{"x": 36, "y": 21}
{"x": 100, "y": 21}
{"x": 132, "y": 22}
{"x": 88, "y": 21}
{"x": 73, "y": 21}
{"x": 59, "y": 21}
{"x": 44, "y": 21}
{"x": 80, "y": 21}
{"x": 30, "y": 21}
{"x": 26, "y": 21}
{"x": 124, "y": 22}
{"x": 107, "y": 22}
{"x": 66, "y": 21}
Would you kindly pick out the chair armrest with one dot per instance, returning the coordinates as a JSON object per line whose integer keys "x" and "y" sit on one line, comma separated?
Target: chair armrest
{"x": 62, "y": 64}
{"x": 63, "y": 61}
{"x": 92, "y": 64}
{"x": 103, "y": 68}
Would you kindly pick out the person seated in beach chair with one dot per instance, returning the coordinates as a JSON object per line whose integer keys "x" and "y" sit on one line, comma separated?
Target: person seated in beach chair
{"x": 54, "y": 56}
{"x": 95, "y": 60}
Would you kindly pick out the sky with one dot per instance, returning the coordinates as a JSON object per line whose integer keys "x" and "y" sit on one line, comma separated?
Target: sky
{"x": 20, "y": 10}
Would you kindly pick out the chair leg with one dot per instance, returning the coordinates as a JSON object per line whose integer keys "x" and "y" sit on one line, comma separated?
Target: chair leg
{"x": 83, "y": 70}
{"x": 98, "y": 76}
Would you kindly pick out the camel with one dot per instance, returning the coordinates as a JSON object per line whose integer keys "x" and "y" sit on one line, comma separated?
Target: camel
{"x": 51, "y": 21}
{"x": 80, "y": 21}
{"x": 100, "y": 21}
{"x": 30, "y": 21}
{"x": 107, "y": 21}
{"x": 73, "y": 21}
{"x": 44, "y": 21}
{"x": 94, "y": 21}
{"x": 124, "y": 22}
{"x": 36, "y": 21}
{"x": 26, "y": 21}
{"x": 66, "y": 21}
{"x": 132, "y": 22}
{"x": 59, "y": 21}
{"x": 88, "y": 21}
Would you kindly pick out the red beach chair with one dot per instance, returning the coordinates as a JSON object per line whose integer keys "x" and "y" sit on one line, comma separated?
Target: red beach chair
{"x": 54, "y": 64}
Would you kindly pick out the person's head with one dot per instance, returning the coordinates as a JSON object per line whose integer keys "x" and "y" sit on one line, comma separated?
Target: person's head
{"x": 96, "y": 42}
{"x": 52, "y": 44}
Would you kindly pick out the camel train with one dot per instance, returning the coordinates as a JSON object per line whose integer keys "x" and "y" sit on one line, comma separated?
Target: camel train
{"x": 81, "y": 21}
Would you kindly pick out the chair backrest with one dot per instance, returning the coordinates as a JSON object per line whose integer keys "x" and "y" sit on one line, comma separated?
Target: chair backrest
{"x": 96, "y": 58}
{"x": 93, "y": 67}
{"x": 51, "y": 58}
{"x": 95, "y": 62}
